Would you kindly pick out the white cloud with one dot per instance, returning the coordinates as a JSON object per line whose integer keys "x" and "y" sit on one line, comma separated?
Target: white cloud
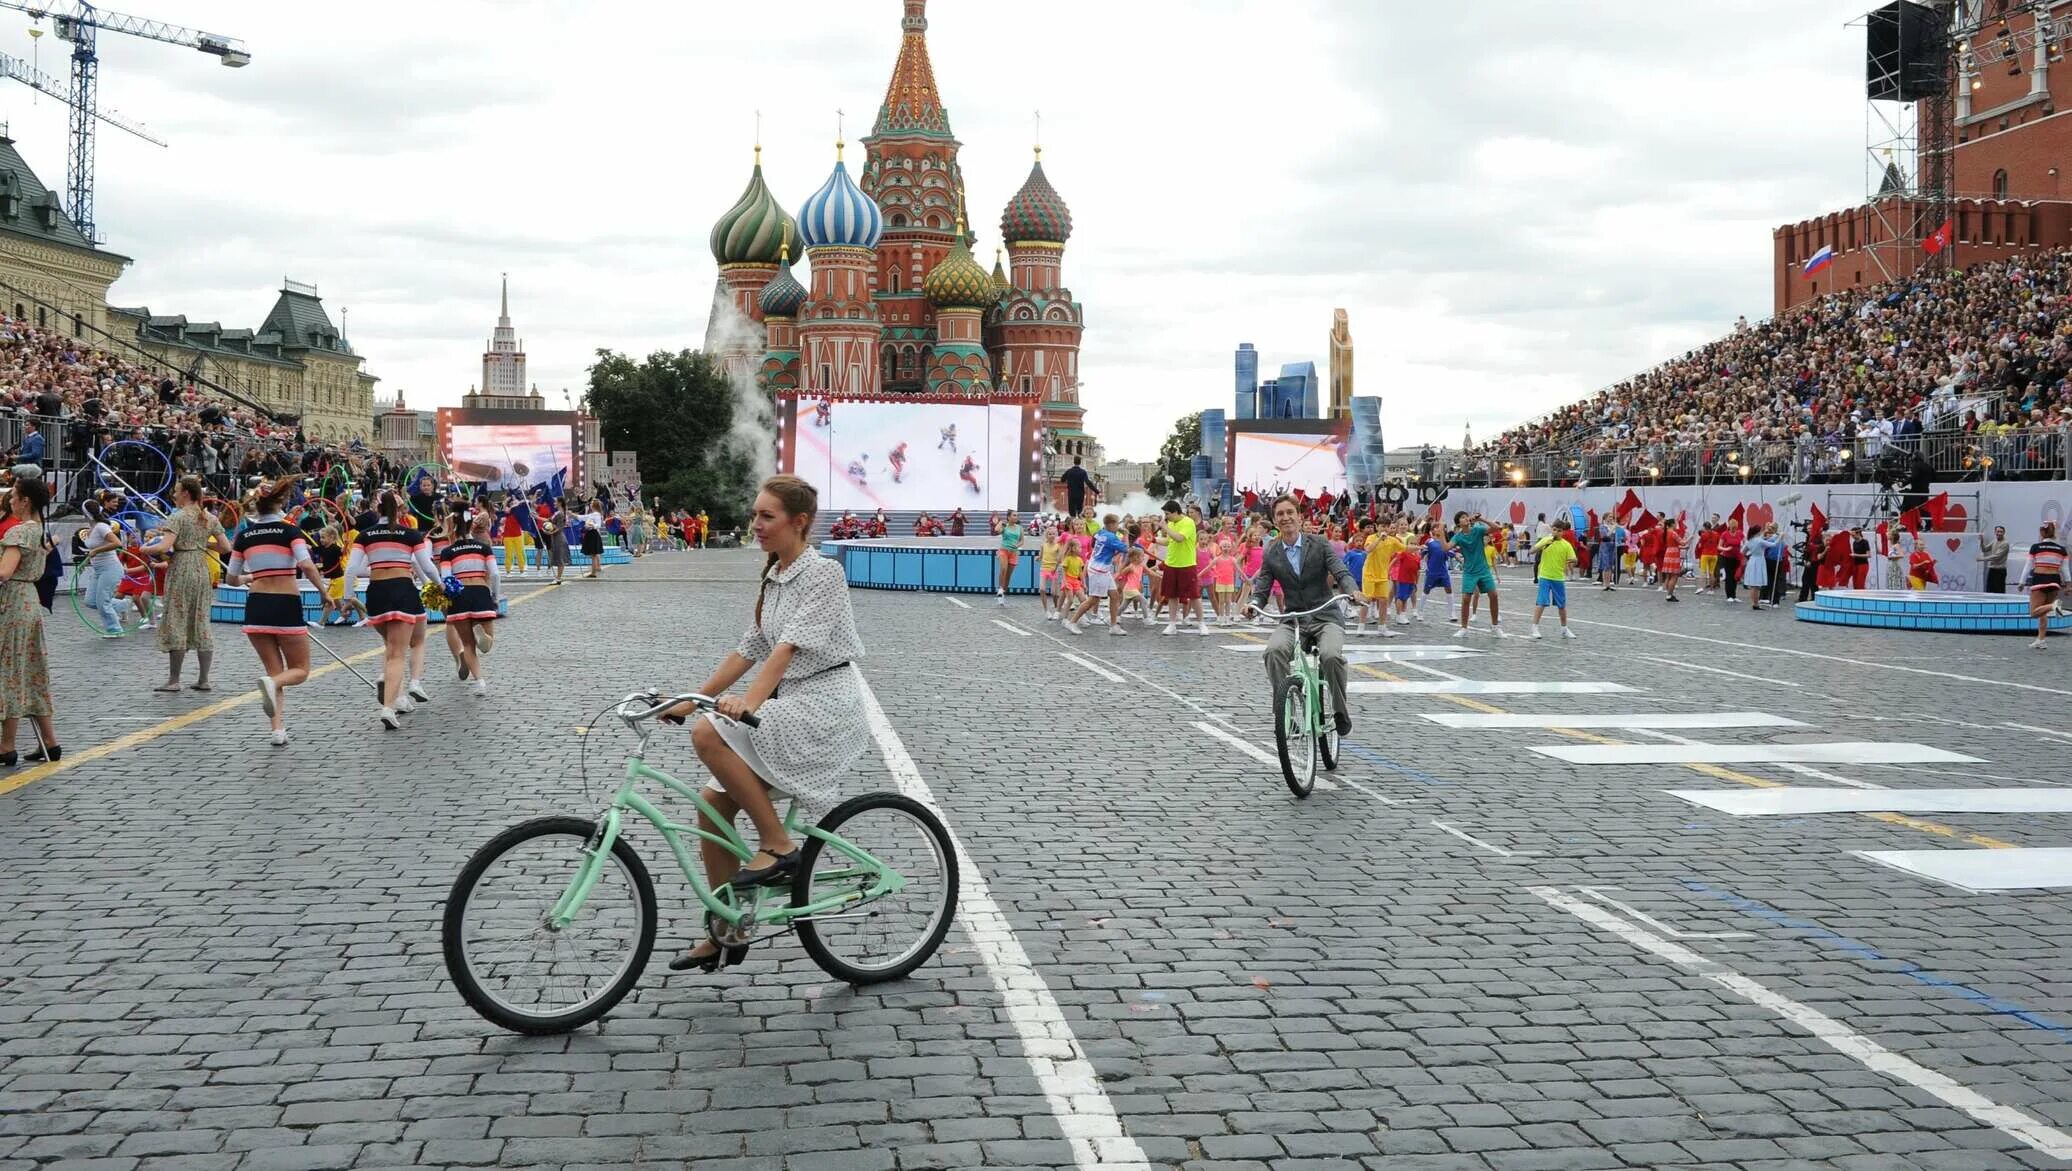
{"x": 1516, "y": 201}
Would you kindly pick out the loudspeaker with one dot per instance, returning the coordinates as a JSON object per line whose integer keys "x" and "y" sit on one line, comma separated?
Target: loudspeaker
{"x": 1906, "y": 48}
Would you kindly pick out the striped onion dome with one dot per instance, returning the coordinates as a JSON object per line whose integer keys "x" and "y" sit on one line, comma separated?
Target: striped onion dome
{"x": 958, "y": 282}
{"x": 1037, "y": 212}
{"x": 754, "y": 230}
{"x": 784, "y": 294}
{"x": 840, "y": 215}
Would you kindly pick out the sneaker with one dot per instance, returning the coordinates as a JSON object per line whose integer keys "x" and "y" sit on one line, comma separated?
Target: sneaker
{"x": 1117, "y": 631}
{"x": 2037, "y": 645}
{"x": 1497, "y": 630}
{"x": 485, "y": 637}
{"x": 389, "y": 719}
{"x": 148, "y": 624}
{"x": 480, "y": 687}
{"x": 360, "y": 623}
{"x": 1073, "y": 627}
{"x": 1567, "y": 632}
{"x": 278, "y": 739}
{"x": 1205, "y": 631}
{"x": 1385, "y": 632}
{"x": 1535, "y": 631}
{"x": 460, "y": 667}
{"x": 999, "y": 597}
{"x": 1463, "y": 632}
{"x": 269, "y": 694}
{"x": 417, "y": 692}
{"x": 405, "y": 705}
{"x": 1170, "y": 628}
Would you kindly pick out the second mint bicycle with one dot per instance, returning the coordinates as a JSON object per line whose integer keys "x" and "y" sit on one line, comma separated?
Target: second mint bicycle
{"x": 1303, "y": 730}
{"x": 550, "y": 925}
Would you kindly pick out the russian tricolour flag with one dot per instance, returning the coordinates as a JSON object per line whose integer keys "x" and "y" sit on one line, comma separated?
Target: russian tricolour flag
{"x": 1819, "y": 260}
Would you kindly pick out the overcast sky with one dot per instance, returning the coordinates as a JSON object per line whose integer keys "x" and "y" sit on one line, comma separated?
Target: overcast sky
{"x": 1516, "y": 201}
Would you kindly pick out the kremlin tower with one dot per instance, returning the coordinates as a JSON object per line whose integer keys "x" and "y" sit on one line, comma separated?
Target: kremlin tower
{"x": 896, "y": 304}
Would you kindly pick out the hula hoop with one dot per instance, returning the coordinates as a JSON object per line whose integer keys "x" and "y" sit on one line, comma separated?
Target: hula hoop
{"x": 324, "y": 485}
{"x": 124, "y": 611}
{"x": 295, "y": 514}
{"x": 143, "y": 523}
{"x": 439, "y": 481}
{"x": 229, "y": 506}
{"x": 101, "y": 466}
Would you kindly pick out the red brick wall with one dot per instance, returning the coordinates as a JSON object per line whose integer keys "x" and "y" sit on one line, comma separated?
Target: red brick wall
{"x": 1985, "y": 230}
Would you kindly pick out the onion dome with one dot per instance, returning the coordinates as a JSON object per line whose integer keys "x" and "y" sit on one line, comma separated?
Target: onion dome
{"x": 784, "y": 294}
{"x": 1037, "y": 212}
{"x": 1001, "y": 285}
{"x": 840, "y": 215}
{"x": 958, "y": 282}
{"x": 754, "y": 230}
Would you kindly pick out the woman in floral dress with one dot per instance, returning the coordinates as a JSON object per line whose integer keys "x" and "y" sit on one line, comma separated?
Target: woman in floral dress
{"x": 24, "y": 672}
{"x": 190, "y": 536}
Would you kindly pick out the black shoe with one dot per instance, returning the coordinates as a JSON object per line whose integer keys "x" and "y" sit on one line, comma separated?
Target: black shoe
{"x": 709, "y": 963}
{"x": 776, "y": 872}
{"x": 1343, "y": 722}
{"x": 57, "y": 752}
{"x": 462, "y": 667}
{"x": 7, "y": 758}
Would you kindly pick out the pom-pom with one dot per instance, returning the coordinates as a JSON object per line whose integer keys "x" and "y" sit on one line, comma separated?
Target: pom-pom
{"x": 452, "y": 586}
{"x": 434, "y": 596}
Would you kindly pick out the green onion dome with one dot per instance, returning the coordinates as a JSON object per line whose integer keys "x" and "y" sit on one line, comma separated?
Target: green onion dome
{"x": 754, "y": 230}
{"x": 958, "y": 282}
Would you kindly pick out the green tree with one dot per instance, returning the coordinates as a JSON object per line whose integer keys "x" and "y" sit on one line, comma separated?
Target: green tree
{"x": 1173, "y": 471}
{"x": 676, "y": 410}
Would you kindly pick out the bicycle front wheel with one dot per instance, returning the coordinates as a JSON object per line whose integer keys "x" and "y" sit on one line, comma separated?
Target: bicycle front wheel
{"x": 504, "y": 955}
{"x": 1293, "y": 734}
{"x": 883, "y": 938}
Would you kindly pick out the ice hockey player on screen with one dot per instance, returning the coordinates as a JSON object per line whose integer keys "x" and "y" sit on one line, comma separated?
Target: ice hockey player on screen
{"x": 858, "y": 472}
{"x": 823, "y": 413}
{"x": 969, "y": 474}
{"x": 949, "y": 438}
{"x": 898, "y": 461}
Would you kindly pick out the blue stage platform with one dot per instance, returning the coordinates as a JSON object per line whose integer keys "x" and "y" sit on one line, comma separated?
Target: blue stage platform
{"x": 1926, "y": 610}
{"x": 959, "y": 565}
{"x": 229, "y": 605}
{"x": 613, "y": 555}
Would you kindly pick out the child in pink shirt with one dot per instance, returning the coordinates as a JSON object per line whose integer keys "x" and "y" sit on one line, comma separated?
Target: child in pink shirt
{"x": 1223, "y": 579}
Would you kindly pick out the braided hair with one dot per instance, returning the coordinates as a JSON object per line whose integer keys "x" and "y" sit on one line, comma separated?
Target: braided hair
{"x": 796, "y": 498}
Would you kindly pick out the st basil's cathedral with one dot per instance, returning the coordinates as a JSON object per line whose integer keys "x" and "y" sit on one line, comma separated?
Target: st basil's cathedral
{"x": 897, "y": 305}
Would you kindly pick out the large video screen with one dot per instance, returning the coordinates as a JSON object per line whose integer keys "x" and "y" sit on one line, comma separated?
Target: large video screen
{"x": 910, "y": 457}
{"x": 513, "y": 456}
{"x": 1266, "y": 462}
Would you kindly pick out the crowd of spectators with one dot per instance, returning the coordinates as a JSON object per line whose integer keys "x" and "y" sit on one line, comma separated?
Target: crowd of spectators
{"x": 1961, "y": 368}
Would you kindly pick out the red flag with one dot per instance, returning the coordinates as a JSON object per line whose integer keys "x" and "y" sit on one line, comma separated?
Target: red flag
{"x": 1884, "y": 539}
{"x": 1937, "y": 507}
{"x": 1816, "y": 528}
{"x": 1646, "y": 522}
{"x": 1734, "y": 517}
{"x": 1628, "y": 503}
{"x": 1937, "y": 240}
{"x": 1910, "y": 520}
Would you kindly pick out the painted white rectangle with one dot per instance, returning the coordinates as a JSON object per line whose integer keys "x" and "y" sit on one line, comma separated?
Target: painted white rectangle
{"x": 1011, "y": 628}
{"x": 1837, "y": 752}
{"x": 1627, "y": 720}
{"x": 1794, "y": 799}
{"x": 2025, "y": 868}
{"x": 1096, "y": 668}
{"x": 1484, "y": 687}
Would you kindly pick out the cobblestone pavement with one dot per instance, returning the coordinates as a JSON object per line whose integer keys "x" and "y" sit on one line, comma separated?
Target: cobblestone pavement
{"x": 1464, "y": 955}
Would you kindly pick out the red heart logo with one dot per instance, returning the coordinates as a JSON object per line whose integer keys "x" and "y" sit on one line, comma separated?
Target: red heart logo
{"x": 1953, "y": 521}
{"x": 1759, "y": 515}
{"x": 1954, "y": 543}
{"x": 1517, "y": 512}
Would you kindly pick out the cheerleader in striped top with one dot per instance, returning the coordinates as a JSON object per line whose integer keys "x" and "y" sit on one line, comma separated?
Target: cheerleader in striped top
{"x": 470, "y": 630}
{"x": 267, "y": 558}
{"x": 394, "y": 558}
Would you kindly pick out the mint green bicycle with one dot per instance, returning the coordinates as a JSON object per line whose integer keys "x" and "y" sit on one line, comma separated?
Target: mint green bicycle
{"x": 1304, "y": 732}
{"x": 551, "y": 923}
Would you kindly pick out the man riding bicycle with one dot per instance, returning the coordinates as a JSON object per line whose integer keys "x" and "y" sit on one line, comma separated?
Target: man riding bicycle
{"x": 1310, "y": 574}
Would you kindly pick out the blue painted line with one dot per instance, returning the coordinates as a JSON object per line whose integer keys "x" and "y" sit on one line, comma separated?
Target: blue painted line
{"x": 1382, "y": 762}
{"x": 1866, "y": 952}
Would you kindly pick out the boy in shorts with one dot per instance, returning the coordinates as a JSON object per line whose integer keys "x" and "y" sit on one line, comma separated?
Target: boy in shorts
{"x": 1554, "y": 555}
{"x": 1471, "y": 539}
{"x": 1403, "y": 585}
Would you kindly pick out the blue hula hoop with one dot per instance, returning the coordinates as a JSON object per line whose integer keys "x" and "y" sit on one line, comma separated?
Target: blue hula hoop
{"x": 101, "y": 466}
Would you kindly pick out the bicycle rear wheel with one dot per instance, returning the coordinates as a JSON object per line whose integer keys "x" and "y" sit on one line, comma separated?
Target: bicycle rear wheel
{"x": 1291, "y": 734}
{"x": 887, "y": 937}
{"x": 516, "y": 970}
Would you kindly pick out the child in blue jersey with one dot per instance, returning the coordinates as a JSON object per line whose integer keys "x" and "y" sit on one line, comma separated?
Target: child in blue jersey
{"x": 1437, "y": 569}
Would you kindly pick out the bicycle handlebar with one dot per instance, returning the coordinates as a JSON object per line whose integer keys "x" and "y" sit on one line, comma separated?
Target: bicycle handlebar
{"x": 1284, "y": 615}
{"x": 657, "y": 703}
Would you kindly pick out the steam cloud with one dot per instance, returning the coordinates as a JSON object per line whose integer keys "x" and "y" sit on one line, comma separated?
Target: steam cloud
{"x": 754, "y": 434}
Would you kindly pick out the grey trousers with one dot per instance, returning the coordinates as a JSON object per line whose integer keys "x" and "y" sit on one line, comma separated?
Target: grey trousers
{"x": 1280, "y": 653}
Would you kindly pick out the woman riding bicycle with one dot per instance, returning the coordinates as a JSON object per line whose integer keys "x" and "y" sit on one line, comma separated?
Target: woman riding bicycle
{"x": 804, "y": 635}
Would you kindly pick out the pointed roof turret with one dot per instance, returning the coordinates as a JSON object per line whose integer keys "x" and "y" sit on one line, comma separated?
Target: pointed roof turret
{"x": 754, "y": 229}
{"x": 1001, "y": 285}
{"x": 912, "y": 103}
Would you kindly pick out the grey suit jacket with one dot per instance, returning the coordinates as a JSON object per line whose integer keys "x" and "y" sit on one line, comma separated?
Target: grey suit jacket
{"x": 1323, "y": 574}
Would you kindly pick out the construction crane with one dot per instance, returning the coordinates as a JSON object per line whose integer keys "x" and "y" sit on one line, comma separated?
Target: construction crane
{"x": 20, "y": 70}
{"x": 80, "y": 23}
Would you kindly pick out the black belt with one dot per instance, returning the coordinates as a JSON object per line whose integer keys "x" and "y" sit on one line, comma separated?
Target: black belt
{"x": 815, "y": 675}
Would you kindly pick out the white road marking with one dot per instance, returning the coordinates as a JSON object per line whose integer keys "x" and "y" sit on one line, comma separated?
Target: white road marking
{"x": 1153, "y": 684}
{"x": 1779, "y": 650}
{"x": 1096, "y": 668}
{"x": 1838, "y": 752}
{"x": 1791, "y": 800}
{"x": 1785, "y": 765}
{"x": 1432, "y": 671}
{"x": 1085, "y": 1115}
{"x": 1634, "y": 721}
{"x": 1484, "y": 687}
{"x": 2016, "y": 1124}
{"x": 1472, "y": 840}
{"x": 2020, "y": 868}
{"x": 2037, "y": 730}
{"x": 1718, "y": 671}
{"x": 1011, "y": 627}
{"x": 1267, "y": 758}
{"x": 1657, "y": 924}
{"x": 958, "y": 602}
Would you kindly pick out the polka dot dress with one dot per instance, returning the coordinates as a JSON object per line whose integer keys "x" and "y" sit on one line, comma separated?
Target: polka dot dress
{"x": 814, "y": 728}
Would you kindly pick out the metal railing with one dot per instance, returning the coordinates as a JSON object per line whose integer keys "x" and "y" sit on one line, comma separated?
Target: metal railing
{"x": 1991, "y": 453}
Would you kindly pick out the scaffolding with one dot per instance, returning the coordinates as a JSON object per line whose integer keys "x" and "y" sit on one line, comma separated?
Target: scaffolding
{"x": 1909, "y": 148}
